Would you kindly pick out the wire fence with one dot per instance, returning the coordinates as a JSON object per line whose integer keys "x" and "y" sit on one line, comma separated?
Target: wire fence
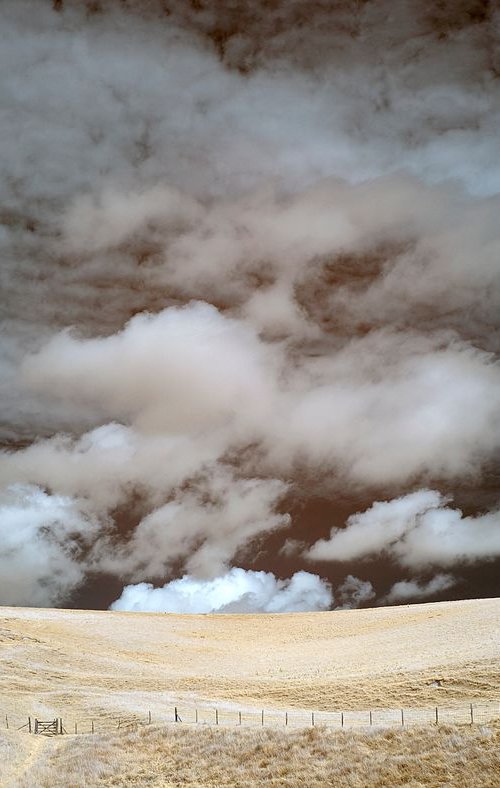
{"x": 470, "y": 713}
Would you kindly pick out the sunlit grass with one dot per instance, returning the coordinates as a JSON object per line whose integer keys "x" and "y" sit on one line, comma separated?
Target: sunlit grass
{"x": 449, "y": 755}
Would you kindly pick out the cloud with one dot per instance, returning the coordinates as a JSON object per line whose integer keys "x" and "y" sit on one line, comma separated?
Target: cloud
{"x": 389, "y": 407}
{"x": 416, "y": 530}
{"x": 43, "y": 539}
{"x": 405, "y": 590}
{"x": 382, "y": 409}
{"x": 250, "y": 258}
{"x": 354, "y": 592}
{"x": 203, "y": 525}
{"x": 182, "y": 370}
{"x": 237, "y": 591}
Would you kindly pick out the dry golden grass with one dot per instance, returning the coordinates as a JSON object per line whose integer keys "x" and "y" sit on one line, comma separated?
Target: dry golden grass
{"x": 79, "y": 664}
{"x": 172, "y": 756}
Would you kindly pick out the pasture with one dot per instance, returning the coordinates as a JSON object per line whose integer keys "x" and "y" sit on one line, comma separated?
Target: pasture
{"x": 90, "y": 667}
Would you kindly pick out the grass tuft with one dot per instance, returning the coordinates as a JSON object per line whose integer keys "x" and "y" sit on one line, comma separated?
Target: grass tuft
{"x": 458, "y": 756}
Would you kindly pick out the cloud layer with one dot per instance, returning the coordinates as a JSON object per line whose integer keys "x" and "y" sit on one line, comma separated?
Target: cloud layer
{"x": 246, "y": 265}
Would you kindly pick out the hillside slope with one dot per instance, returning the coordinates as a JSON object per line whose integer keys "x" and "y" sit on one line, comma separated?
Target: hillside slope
{"x": 55, "y": 662}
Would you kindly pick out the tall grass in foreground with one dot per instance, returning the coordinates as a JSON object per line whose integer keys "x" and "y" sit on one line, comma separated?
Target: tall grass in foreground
{"x": 443, "y": 756}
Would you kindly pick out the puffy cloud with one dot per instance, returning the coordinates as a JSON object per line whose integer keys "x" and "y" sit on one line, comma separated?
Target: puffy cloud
{"x": 182, "y": 370}
{"x": 382, "y": 409}
{"x": 237, "y": 591}
{"x": 417, "y": 530}
{"x": 387, "y": 408}
{"x": 204, "y": 525}
{"x": 354, "y": 592}
{"x": 406, "y": 590}
{"x": 43, "y": 539}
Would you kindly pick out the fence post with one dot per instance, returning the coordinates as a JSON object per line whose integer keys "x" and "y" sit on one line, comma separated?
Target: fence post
{"x": 6, "y": 722}
{"x": 33, "y": 726}
{"x": 196, "y": 715}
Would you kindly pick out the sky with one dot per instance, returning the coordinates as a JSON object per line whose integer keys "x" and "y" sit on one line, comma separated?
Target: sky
{"x": 250, "y": 303}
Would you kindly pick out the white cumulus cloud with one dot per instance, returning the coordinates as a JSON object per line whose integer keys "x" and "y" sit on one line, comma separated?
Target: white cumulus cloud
{"x": 237, "y": 591}
{"x": 416, "y": 530}
{"x": 42, "y": 541}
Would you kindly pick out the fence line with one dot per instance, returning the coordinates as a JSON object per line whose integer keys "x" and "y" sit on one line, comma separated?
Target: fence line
{"x": 470, "y": 713}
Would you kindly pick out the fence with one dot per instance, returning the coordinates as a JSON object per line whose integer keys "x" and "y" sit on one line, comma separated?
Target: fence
{"x": 471, "y": 713}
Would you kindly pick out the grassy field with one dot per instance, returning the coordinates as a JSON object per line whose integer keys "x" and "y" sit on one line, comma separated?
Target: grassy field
{"x": 78, "y": 664}
{"x": 83, "y": 665}
{"x": 446, "y": 756}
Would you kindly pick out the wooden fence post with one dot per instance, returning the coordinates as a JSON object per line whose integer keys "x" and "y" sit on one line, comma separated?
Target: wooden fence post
{"x": 6, "y": 722}
{"x": 196, "y": 715}
{"x": 34, "y": 727}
